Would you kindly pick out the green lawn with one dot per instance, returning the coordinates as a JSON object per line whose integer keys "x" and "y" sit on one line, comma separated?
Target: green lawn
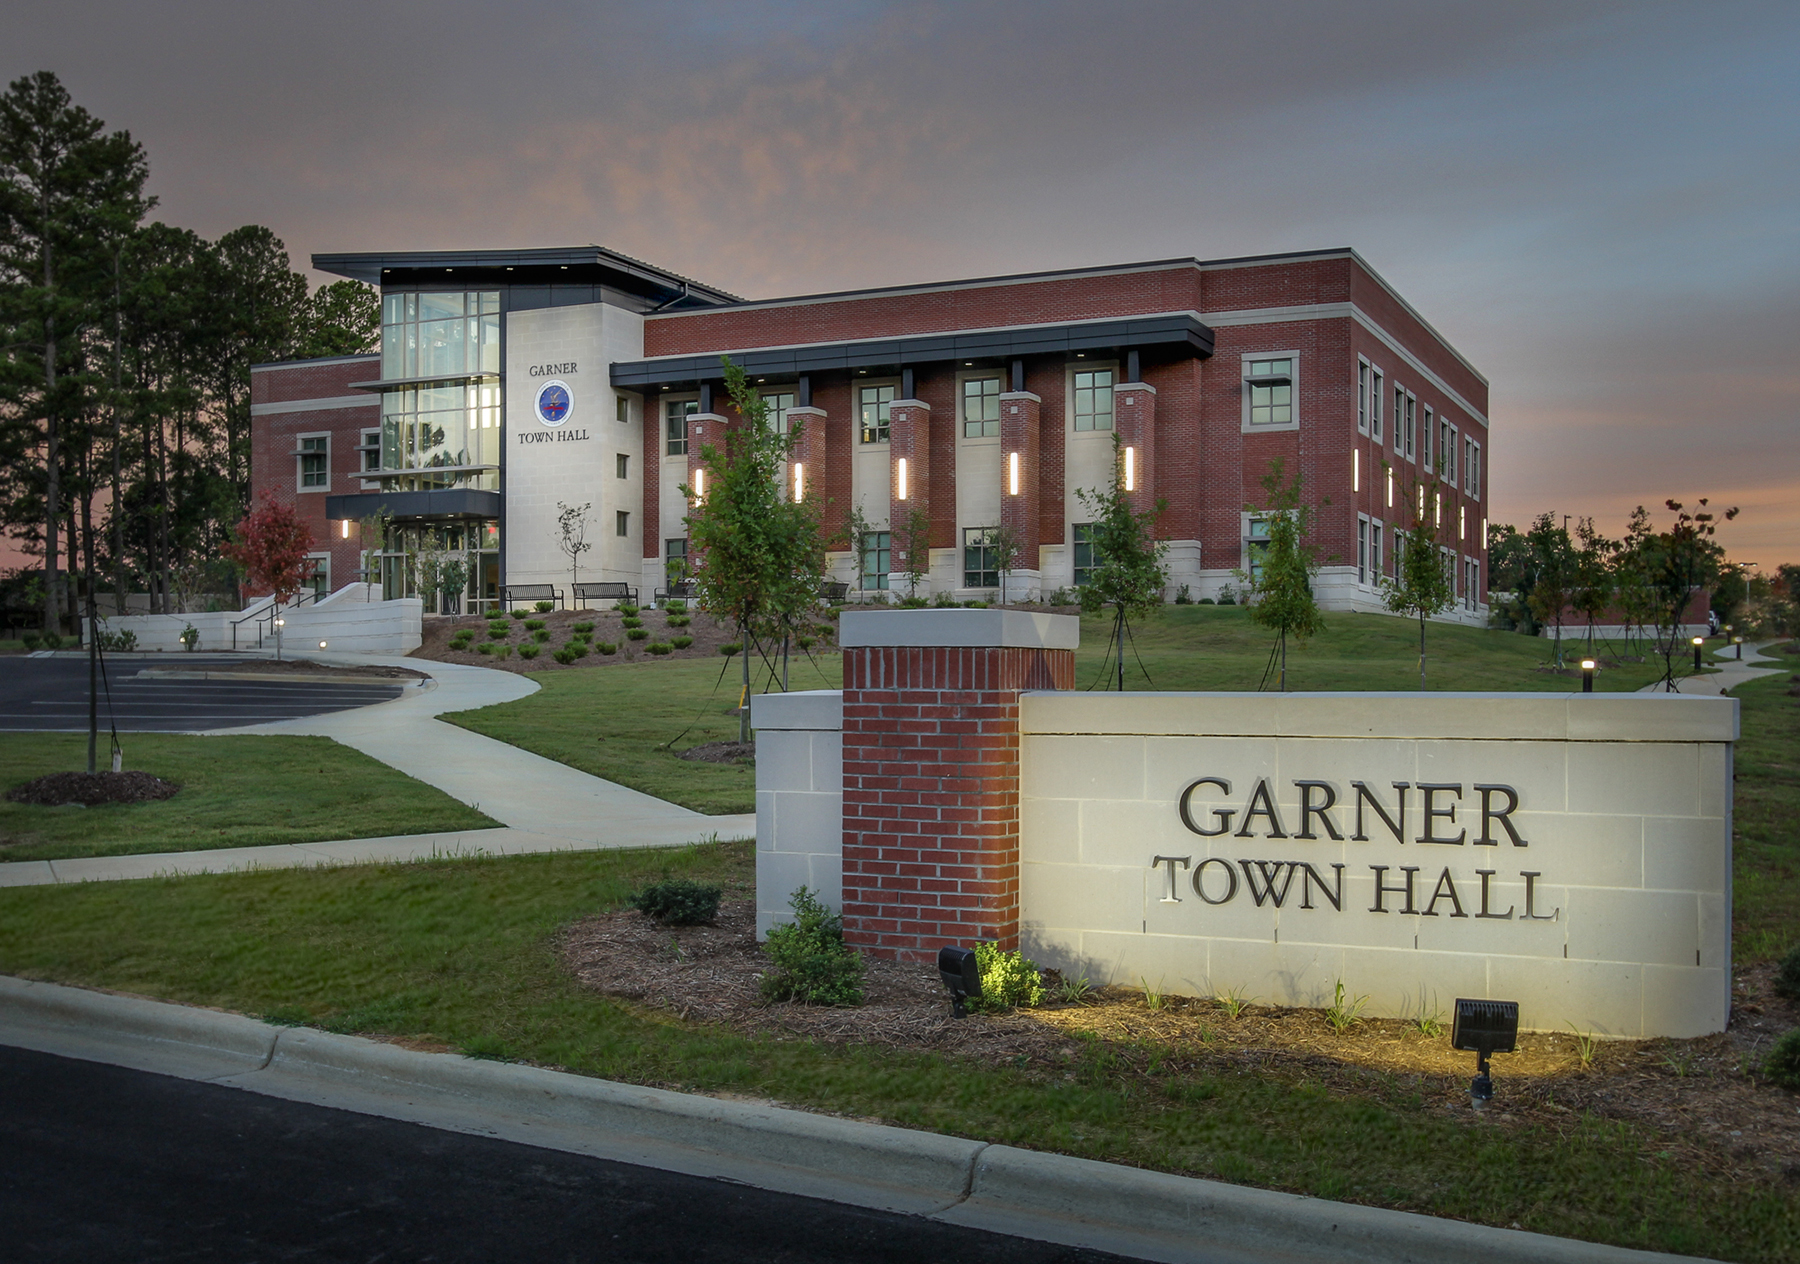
{"x": 1765, "y": 813}
{"x": 459, "y": 953}
{"x": 236, "y": 791}
{"x": 614, "y": 721}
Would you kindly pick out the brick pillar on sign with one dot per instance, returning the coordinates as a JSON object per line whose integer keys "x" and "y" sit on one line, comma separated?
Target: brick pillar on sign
{"x": 1019, "y": 439}
{"x": 1134, "y": 413}
{"x": 909, "y": 440}
{"x": 931, "y": 782}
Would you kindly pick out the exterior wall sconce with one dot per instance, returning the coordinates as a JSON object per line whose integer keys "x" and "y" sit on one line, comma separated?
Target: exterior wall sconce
{"x": 700, "y": 486}
{"x": 1390, "y": 489}
{"x": 1356, "y": 469}
{"x": 900, "y": 479}
{"x": 1437, "y": 510}
{"x": 346, "y": 528}
{"x": 799, "y": 482}
{"x": 1587, "y": 675}
{"x": 1012, "y": 473}
{"x": 1131, "y": 469}
{"x": 1462, "y": 523}
{"x": 1484, "y": 1028}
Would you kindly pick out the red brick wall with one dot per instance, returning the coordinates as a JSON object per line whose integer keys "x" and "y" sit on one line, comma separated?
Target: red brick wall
{"x": 931, "y": 794}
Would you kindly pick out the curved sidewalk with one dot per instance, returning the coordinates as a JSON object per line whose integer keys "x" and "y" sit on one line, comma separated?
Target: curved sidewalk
{"x": 543, "y": 805}
{"x": 1730, "y": 673}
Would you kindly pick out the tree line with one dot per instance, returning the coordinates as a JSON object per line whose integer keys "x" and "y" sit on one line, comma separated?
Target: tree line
{"x": 125, "y": 382}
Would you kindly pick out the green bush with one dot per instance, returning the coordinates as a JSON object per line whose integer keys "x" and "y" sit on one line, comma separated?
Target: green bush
{"x": 564, "y": 656}
{"x": 116, "y": 642}
{"x": 1206, "y": 601}
{"x": 913, "y": 603}
{"x": 636, "y": 634}
{"x": 545, "y": 607}
{"x": 804, "y": 642}
{"x": 730, "y": 648}
{"x": 541, "y": 635}
{"x": 1009, "y": 980}
{"x": 1184, "y": 596}
{"x": 31, "y": 641}
{"x": 658, "y": 648}
{"x": 975, "y": 605}
{"x": 578, "y": 648}
{"x": 528, "y": 650}
{"x": 1787, "y": 976}
{"x": 486, "y": 647}
{"x": 519, "y": 614}
{"x": 675, "y": 603}
{"x": 630, "y": 622}
{"x": 581, "y": 629}
{"x": 504, "y": 651}
{"x": 943, "y": 601}
{"x": 626, "y": 609}
{"x": 607, "y": 647}
{"x": 677, "y": 902}
{"x": 680, "y": 620}
{"x": 810, "y": 960}
{"x": 534, "y": 625}
{"x": 1783, "y": 1063}
{"x": 681, "y": 642}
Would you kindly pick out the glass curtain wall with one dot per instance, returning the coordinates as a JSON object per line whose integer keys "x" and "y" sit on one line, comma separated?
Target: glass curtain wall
{"x": 447, "y": 428}
{"x": 420, "y": 556}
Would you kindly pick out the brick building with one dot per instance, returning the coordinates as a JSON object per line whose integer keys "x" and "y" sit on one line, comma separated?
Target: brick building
{"x": 511, "y": 383}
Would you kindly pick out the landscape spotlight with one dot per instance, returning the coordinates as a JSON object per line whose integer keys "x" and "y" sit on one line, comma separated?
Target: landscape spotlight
{"x": 321, "y": 645}
{"x": 957, "y": 968}
{"x": 1698, "y": 642}
{"x": 1485, "y": 1028}
{"x": 1587, "y": 675}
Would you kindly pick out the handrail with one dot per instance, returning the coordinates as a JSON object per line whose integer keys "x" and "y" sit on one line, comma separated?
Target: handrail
{"x": 268, "y": 615}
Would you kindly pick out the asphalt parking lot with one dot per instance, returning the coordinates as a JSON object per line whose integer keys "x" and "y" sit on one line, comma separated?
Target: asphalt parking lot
{"x": 50, "y": 695}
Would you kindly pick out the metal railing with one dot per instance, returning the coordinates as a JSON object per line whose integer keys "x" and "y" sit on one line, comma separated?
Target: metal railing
{"x": 264, "y": 620}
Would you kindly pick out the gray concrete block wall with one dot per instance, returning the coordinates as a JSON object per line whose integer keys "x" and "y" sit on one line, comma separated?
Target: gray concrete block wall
{"x": 799, "y": 801}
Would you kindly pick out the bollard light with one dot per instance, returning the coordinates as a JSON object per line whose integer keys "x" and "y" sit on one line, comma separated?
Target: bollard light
{"x": 1737, "y": 644}
{"x": 1698, "y": 642}
{"x": 321, "y": 645}
{"x": 960, "y": 973}
{"x": 1484, "y": 1028}
{"x": 1587, "y": 675}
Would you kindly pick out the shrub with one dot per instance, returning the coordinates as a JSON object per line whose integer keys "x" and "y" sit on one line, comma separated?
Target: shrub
{"x": 679, "y": 620}
{"x": 677, "y": 902}
{"x": 658, "y": 648}
{"x": 730, "y": 648}
{"x": 943, "y": 601}
{"x": 804, "y": 642}
{"x": 913, "y": 603}
{"x": 1009, "y": 980}
{"x": 975, "y": 605}
{"x": 535, "y": 625}
{"x": 675, "y": 603}
{"x": 545, "y": 607}
{"x": 52, "y": 641}
{"x": 486, "y": 647}
{"x": 1184, "y": 596}
{"x": 497, "y": 634}
{"x": 541, "y": 635}
{"x": 565, "y": 656}
{"x": 578, "y": 648}
{"x": 1787, "y": 976}
{"x": 626, "y": 609}
{"x": 681, "y": 642}
{"x": 607, "y": 647}
{"x": 1227, "y": 596}
{"x": 581, "y": 629}
{"x": 529, "y": 650}
{"x": 31, "y": 640}
{"x": 631, "y": 622}
{"x": 505, "y": 651}
{"x": 1206, "y": 601}
{"x": 810, "y": 962}
{"x": 116, "y": 642}
{"x": 519, "y": 614}
{"x": 1783, "y": 1063}
{"x": 636, "y": 634}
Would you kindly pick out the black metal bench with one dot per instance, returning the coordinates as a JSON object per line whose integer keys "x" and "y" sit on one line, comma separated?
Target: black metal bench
{"x": 509, "y": 593}
{"x": 606, "y": 590}
{"x": 834, "y": 592}
{"x": 683, "y": 591}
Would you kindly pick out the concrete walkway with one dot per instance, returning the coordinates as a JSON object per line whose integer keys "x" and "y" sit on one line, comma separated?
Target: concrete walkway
{"x": 546, "y": 806}
{"x": 1730, "y": 674}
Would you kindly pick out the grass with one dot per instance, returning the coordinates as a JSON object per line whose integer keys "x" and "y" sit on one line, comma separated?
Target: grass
{"x": 459, "y": 954}
{"x": 1766, "y": 805}
{"x": 614, "y": 720}
{"x": 236, "y": 791}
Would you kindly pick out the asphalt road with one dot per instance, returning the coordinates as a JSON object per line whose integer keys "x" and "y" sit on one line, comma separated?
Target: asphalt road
{"x": 51, "y": 695}
{"x": 101, "y": 1163}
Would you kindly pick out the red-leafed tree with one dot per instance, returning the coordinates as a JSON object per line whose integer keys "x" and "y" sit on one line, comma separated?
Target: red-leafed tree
{"x": 271, "y": 548}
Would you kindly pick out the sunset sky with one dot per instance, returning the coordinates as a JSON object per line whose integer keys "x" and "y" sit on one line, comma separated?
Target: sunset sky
{"x": 1597, "y": 203}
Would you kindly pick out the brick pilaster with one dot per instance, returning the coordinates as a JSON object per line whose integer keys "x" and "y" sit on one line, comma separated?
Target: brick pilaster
{"x": 1134, "y": 412}
{"x": 808, "y": 452}
{"x": 909, "y": 440}
{"x": 703, "y": 428}
{"x": 931, "y": 772}
{"x": 1019, "y": 435}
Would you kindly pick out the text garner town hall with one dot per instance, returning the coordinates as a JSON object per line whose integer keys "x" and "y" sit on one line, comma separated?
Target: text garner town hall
{"x": 511, "y": 382}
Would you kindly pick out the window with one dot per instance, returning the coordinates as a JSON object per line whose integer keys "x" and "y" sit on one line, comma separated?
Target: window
{"x": 778, "y": 404}
{"x": 981, "y": 407}
{"x": 622, "y": 409}
{"x": 1375, "y": 529}
{"x": 1375, "y": 405}
{"x": 1426, "y": 439}
{"x": 315, "y": 463}
{"x": 1256, "y": 543}
{"x": 1410, "y": 421}
{"x": 1094, "y": 399}
{"x": 1084, "y": 552}
{"x": 876, "y": 403}
{"x": 1269, "y": 392}
{"x": 1446, "y": 451}
{"x": 981, "y": 559}
{"x": 1362, "y": 550}
{"x": 370, "y": 452}
{"x": 1471, "y": 582}
{"x": 318, "y": 579}
{"x": 440, "y": 335}
{"x": 622, "y": 465}
{"x": 1472, "y": 468}
{"x": 621, "y": 522}
{"x": 453, "y": 427}
{"x": 877, "y": 558}
{"x": 674, "y": 562}
{"x": 1362, "y": 396}
{"x": 676, "y": 413}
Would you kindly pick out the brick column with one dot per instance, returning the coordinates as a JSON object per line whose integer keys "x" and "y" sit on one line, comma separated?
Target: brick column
{"x": 703, "y": 428}
{"x": 909, "y": 440}
{"x": 808, "y": 452}
{"x": 1019, "y": 437}
{"x": 1134, "y": 412}
{"x": 931, "y": 771}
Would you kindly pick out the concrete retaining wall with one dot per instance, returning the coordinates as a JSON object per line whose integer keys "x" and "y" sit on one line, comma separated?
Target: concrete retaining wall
{"x": 352, "y": 620}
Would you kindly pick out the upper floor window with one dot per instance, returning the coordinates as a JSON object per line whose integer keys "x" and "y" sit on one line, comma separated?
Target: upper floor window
{"x": 1411, "y": 421}
{"x": 1447, "y": 451}
{"x": 621, "y": 522}
{"x": 622, "y": 408}
{"x": 370, "y": 453}
{"x": 1375, "y": 404}
{"x": 315, "y": 462}
{"x": 676, "y": 413}
{"x": 1426, "y": 439}
{"x": 1472, "y": 476}
{"x": 876, "y": 404}
{"x": 1093, "y": 400}
{"x": 440, "y": 335}
{"x": 622, "y": 464}
{"x": 981, "y": 407}
{"x": 1362, "y": 396}
{"x": 777, "y": 405}
{"x": 1269, "y": 392}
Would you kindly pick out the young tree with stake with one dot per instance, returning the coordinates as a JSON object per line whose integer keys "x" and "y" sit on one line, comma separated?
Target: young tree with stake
{"x": 571, "y": 529}
{"x": 1128, "y": 572}
{"x": 1421, "y": 584}
{"x": 1280, "y": 590}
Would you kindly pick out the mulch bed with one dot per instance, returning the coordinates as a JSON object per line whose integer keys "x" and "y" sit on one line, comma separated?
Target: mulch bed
{"x": 1699, "y": 1096}
{"x": 92, "y": 789}
{"x": 707, "y": 632}
{"x": 305, "y": 667}
{"x": 722, "y": 753}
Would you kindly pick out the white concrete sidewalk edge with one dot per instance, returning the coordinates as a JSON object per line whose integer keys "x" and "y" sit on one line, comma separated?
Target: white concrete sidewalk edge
{"x": 1047, "y": 1197}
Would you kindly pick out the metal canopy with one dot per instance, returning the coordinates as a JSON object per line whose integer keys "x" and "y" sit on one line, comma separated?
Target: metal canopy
{"x": 452, "y": 502}
{"x": 1182, "y": 335}
{"x": 512, "y": 267}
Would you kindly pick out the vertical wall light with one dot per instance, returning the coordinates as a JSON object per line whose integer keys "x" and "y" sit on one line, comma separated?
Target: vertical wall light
{"x": 1131, "y": 469}
{"x": 1462, "y": 524}
{"x": 1012, "y": 473}
{"x": 799, "y": 482}
{"x": 1356, "y": 469}
{"x": 1421, "y": 504}
{"x": 346, "y": 528}
{"x": 1484, "y": 533}
{"x": 1390, "y": 489}
{"x": 900, "y": 479}
{"x": 700, "y": 485}
{"x": 1437, "y": 510}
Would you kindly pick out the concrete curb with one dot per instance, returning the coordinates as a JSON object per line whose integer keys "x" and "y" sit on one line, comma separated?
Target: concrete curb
{"x": 1047, "y": 1197}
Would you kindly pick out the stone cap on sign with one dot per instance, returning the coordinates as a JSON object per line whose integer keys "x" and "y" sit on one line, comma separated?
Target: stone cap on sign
{"x": 1554, "y": 717}
{"x": 807, "y": 709}
{"x": 959, "y": 629}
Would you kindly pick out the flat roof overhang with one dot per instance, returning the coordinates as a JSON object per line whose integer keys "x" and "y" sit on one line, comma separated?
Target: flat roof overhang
{"x": 453, "y": 502}
{"x": 566, "y": 264}
{"x": 1177, "y": 336}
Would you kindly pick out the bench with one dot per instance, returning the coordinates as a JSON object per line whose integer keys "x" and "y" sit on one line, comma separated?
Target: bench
{"x": 606, "y": 590}
{"x": 683, "y": 591}
{"x": 510, "y": 593}
{"x": 834, "y": 592}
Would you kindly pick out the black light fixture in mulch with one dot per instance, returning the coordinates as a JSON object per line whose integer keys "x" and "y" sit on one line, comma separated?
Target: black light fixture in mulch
{"x": 1485, "y": 1028}
{"x": 960, "y": 973}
